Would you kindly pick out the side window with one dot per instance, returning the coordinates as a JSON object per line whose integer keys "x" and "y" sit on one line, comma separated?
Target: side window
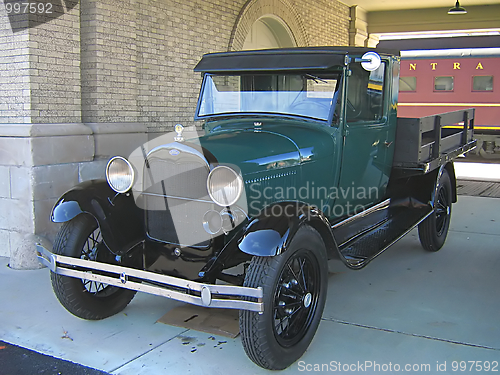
{"x": 443, "y": 83}
{"x": 408, "y": 84}
{"x": 365, "y": 94}
{"x": 482, "y": 83}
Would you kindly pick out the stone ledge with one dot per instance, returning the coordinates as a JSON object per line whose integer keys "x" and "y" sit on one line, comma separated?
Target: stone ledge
{"x": 64, "y": 129}
{"x": 117, "y": 127}
{"x": 43, "y": 130}
{"x": 36, "y": 151}
{"x": 122, "y": 144}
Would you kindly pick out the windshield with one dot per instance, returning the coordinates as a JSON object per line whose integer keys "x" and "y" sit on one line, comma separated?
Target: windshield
{"x": 304, "y": 95}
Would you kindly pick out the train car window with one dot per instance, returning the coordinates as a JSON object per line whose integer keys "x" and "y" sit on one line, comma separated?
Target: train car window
{"x": 443, "y": 83}
{"x": 407, "y": 83}
{"x": 482, "y": 83}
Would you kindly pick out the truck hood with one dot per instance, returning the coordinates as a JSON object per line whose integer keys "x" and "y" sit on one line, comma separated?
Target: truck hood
{"x": 275, "y": 146}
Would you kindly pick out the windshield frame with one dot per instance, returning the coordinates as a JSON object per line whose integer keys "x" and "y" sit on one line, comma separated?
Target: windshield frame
{"x": 313, "y": 75}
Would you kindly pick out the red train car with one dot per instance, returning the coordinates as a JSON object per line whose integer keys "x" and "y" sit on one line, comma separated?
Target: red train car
{"x": 435, "y": 81}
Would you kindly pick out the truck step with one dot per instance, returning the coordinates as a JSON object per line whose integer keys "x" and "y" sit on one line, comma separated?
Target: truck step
{"x": 362, "y": 240}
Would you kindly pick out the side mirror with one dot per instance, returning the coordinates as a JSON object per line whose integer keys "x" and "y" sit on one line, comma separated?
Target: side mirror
{"x": 370, "y": 61}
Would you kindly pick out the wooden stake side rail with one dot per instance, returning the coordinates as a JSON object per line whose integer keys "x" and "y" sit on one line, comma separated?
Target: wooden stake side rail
{"x": 423, "y": 144}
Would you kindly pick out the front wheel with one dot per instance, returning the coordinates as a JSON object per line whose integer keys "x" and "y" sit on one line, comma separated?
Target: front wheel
{"x": 81, "y": 238}
{"x": 294, "y": 284}
{"x": 432, "y": 231}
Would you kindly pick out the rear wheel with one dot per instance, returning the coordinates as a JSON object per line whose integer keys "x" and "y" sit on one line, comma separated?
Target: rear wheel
{"x": 81, "y": 238}
{"x": 432, "y": 231}
{"x": 294, "y": 285}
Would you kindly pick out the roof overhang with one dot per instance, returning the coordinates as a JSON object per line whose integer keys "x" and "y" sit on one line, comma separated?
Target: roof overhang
{"x": 298, "y": 59}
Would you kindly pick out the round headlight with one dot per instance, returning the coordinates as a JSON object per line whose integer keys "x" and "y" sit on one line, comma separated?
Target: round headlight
{"x": 224, "y": 185}
{"x": 120, "y": 174}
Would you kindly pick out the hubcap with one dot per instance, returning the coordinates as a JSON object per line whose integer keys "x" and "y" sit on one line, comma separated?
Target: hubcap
{"x": 307, "y": 300}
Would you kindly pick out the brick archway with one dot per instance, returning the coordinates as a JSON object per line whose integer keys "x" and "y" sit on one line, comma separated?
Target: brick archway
{"x": 256, "y": 9}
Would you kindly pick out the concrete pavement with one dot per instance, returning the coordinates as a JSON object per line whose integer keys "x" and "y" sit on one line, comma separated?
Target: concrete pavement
{"x": 407, "y": 310}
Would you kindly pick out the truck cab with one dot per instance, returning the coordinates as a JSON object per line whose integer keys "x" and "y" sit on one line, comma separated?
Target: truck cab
{"x": 329, "y": 92}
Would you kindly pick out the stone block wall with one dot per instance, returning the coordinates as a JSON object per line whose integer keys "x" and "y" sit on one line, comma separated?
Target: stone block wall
{"x": 39, "y": 163}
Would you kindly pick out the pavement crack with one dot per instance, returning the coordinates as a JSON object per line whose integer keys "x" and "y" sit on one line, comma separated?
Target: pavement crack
{"x": 147, "y": 351}
{"x": 471, "y": 232}
{"x": 410, "y": 334}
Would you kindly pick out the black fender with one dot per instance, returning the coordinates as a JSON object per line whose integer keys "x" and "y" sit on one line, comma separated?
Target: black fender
{"x": 423, "y": 187}
{"x": 117, "y": 214}
{"x": 269, "y": 234}
{"x": 429, "y": 183}
{"x": 450, "y": 168}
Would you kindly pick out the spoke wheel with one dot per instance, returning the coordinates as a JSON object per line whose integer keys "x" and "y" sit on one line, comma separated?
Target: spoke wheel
{"x": 81, "y": 238}
{"x": 296, "y": 298}
{"x": 294, "y": 285}
{"x": 90, "y": 251}
{"x": 443, "y": 210}
{"x": 432, "y": 231}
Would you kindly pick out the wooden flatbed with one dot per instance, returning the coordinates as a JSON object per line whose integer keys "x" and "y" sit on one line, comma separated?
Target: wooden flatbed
{"x": 423, "y": 144}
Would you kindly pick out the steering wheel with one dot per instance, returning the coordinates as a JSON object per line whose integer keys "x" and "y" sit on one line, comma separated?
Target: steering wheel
{"x": 352, "y": 111}
{"x": 309, "y": 105}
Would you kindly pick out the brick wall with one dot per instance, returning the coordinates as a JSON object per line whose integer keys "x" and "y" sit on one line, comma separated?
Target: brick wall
{"x": 171, "y": 38}
{"x": 132, "y": 60}
{"x": 14, "y": 71}
{"x": 138, "y": 55}
{"x": 55, "y": 68}
{"x": 40, "y": 68}
{"x": 326, "y": 22}
{"x": 109, "y": 55}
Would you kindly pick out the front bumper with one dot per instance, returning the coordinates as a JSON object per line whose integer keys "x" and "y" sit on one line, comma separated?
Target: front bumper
{"x": 207, "y": 295}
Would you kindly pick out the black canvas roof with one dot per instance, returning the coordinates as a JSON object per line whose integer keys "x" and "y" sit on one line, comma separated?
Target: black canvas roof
{"x": 301, "y": 58}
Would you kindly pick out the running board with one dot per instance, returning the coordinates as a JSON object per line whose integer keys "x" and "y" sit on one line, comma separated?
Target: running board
{"x": 363, "y": 238}
{"x": 207, "y": 295}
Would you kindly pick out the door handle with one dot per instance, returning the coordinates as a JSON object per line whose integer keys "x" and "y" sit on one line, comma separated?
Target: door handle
{"x": 387, "y": 144}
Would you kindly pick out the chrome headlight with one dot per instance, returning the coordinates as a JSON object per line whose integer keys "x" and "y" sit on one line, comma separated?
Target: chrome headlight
{"x": 224, "y": 185}
{"x": 120, "y": 174}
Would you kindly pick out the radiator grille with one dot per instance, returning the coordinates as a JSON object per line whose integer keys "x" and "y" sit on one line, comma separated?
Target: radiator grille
{"x": 187, "y": 179}
{"x": 176, "y": 199}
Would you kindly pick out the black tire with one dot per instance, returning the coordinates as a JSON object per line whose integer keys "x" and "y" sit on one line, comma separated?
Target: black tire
{"x": 433, "y": 230}
{"x": 282, "y": 333}
{"x": 81, "y": 238}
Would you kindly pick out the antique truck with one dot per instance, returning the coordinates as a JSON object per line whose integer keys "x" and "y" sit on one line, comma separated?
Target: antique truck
{"x": 302, "y": 159}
